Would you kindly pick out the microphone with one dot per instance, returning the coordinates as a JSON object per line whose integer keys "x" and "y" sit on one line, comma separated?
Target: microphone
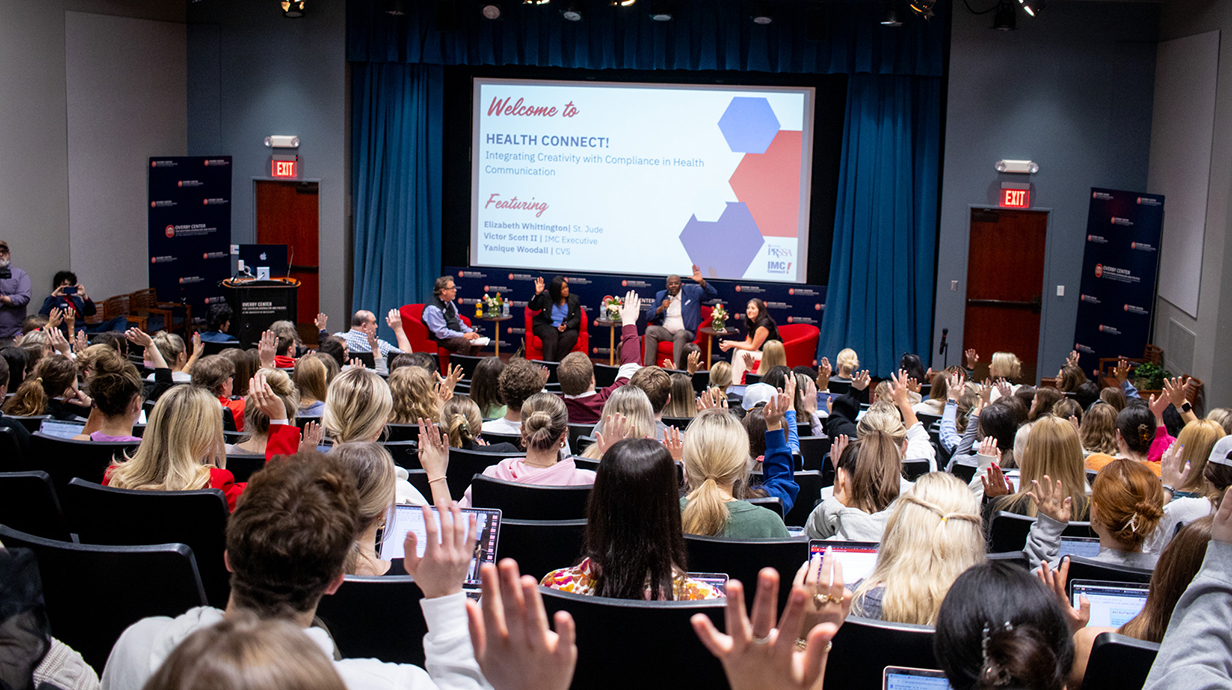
{"x": 944, "y": 332}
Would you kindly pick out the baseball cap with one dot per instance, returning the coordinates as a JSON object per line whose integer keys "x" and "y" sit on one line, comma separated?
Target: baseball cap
{"x": 756, "y": 394}
{"x": 1219, "y": 453}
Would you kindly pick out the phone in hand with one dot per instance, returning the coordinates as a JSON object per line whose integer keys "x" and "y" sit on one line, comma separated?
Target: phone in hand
{"x": 70, "y": 290}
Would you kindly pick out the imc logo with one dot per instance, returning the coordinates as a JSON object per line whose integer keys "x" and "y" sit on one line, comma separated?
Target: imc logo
{"x": 781, "y": 267}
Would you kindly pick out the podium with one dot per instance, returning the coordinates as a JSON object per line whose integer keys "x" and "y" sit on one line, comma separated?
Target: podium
{"x": 259, "y": 303}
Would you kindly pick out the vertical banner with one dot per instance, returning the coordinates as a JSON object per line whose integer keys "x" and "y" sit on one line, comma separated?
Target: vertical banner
{"x": 1119, "y": 273}
{"x": 787, "y": 303}
{"x": 190, "y": 228}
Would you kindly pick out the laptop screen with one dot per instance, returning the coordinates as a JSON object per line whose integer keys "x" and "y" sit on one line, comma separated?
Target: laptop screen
{"x": 1112, "y": 603}
{"x": 716, "y": 580}
{"x": 410, "y": 519}
{"x": 858, "y": 558}
{"x": 1084, "y": 547}
{"x": 901, "y": 678}
{"x": 52, "y": 427}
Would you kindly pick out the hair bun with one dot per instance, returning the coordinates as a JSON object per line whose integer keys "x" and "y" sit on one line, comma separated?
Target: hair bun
{"x": 1149, "y": 510}
{"x": 1016, "y": 653}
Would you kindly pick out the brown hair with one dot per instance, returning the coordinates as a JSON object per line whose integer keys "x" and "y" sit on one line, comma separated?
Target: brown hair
{"x": 52, "y": 376}
{"x": 1066, "y": 408}
{"x": 212, "y": 373}
{"x": 1128, "y": 500}
{"x": 574, "y": 373}
{"x": 246, "y": 653}
{"x": 485, "y": 384}
{"x": 1114, "y": 396}
{"x": 1071, "y": 377}
{"x": 875, "y": 468}
{"x": 655, "y": 383}
{"x": 413, "y": 395}
{"x": 113, "y": 393}
{"x": 311, "y": 377}
{"x": 461, "y": 420}
{"x": 720, "y": 375}
{"x": 255, "y": 421}
{"x": 519, "y": 380}
{"x": 544, "y": 421}
{"x": 290, "y": 535}
{"x": 1053, "y": 449}
{"x": 1177, "y": 566}
{"x": 246, "y": 364}
{"x": 681, "y": 404}
{"x": 1098, "y": 429}
{"x": 1045, "y": 399}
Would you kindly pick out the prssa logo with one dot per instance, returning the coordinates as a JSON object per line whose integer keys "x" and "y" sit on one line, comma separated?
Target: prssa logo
{"x": 1099, "y": 270}
{"x": 779, "y": 252}
{"x": 169, "y": 231}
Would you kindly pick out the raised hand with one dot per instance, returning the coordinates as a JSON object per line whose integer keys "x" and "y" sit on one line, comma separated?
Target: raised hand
{"x": 310, "y": 436}
{"x": 198, "y": 347}
{"x": 55, "y": 318}
{"x": 80, "y": 342}
{"x": 673, "y": 440}
{"x": 394, "y": 320}
{"x": 756, "y": 655}
{"x": 1174, "y": 471}
{"x": 953, "y": 386}
{"x": 57, "y": 340}
{"x": 1004, "y": 388}
{"x": 357, "y": 363}
{"x": 973, "y": 358}
{"x": 1072, "y": 359}
{"x": 1174, "y": 390}
{"x": 1121, "y": 371}
{"x": 836, "y": 449}
{"x": 667, "y": 363}
{"x": 789, "y": 389}
{"x": 509, "y": 633}
{"x": 446, "y": 385}
{"x": 320, "y": 321}
{"x": 697, "y": 274}
{"x": 433, "y": 449}
{"x": 988, "y": 448}
{"x": 913, "y": 386}
{"x": 831, "y": 600}
{"x": 825, "y": 371}
{"x": 616, "y": 427}
{"x": 750, "y": 362}
{"x": 265, "y": 349}
{"x": 262, "y": 397}
{"x": 538, "y": 285}
{"x": 1055, "y": 580}
{"x": 985, "y": 392}
{"x": 899, "y": 388}
{"x": 809, "y": 396}
{"x": 995, "y": 483}
{"x": 1051, "y": 499}
{"x": 693, "y": 362}
{"x": 861, "y": 380}
{"x": 631, "y": 308}
{"x": 443, "y": 566}
{"x": 712, "y": 398}
{"x": 1158, "y": 405}
{"x": 776, "y": 408}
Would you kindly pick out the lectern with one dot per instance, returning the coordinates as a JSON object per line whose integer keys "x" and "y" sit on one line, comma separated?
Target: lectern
{"x": 259, "y": 303}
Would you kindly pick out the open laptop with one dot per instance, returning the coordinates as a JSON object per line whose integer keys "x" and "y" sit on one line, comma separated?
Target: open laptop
{"x": 271, "y": 256}
{"x": 858, "y": 558}
{"x": 904, "y": 678}
{"x": 59, "y": 429}
{"x": 1083, "y": 547}
{"x": 1112, "y": 603}
{"x": 410, "y": 519}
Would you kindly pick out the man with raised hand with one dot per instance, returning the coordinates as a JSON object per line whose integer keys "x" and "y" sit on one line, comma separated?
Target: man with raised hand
{"x": 676, "y": 313}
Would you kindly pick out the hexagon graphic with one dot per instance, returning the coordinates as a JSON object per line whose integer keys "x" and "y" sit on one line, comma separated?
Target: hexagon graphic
{"x": 710, "y": 203}
{"x": 726, "y": 247}
{"x": 770, "y": 185}
{"x": 749, "y": 124}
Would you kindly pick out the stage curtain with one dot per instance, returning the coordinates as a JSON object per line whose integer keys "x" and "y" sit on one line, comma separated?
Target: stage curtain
{"x": 880, "y": 295}
{"x": 396, "y": 151}
{"x": 702, "y": 35}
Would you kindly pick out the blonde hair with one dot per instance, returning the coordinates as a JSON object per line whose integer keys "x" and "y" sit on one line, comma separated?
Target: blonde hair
{"x": 311, "y": 378}
{"x": 376, "y": 478}
{"x": 1197, "y": 438}
{"x": 182, "y": 439}
{"x": 847, "y": 362}
{"x": 287, "y": 330}
{"x": 256, "y": 423}
{"x": 772, "y": 355}
{"x": 715, "y": 454}
{"x": 544, "y": 421}
{"x": 1005, "y": 365}
{"x": 1053, "y": 449}
{"x": 932, "y": 535}
{"x": 883, "y": 416}
{"x": 461, "y": 420}
{"x": 1098, "y": 429}
{"x": 682, "y": 403}
{"x": 721, "y": 375}
{"x": 633, "y": 403}
{"x": 1223, "y": 417}
{"x": 170, "y": 346}
{"x": 413, "y": 395}
{"x": 357, "y": 406}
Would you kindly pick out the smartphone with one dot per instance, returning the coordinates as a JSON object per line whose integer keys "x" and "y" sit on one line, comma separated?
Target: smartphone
{"x": 70, "y": 290}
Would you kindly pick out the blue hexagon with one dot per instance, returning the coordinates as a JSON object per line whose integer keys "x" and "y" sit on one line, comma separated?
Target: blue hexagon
{"x": 726, "y": 247}
{"x": 749, "y": 125}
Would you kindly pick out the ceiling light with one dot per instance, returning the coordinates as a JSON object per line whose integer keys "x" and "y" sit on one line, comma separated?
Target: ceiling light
{"x": 890, "y": 17}
{"x": 661, "y": 11}
{"x": 395, "y": 7}
{"x": 293, "y": 10}
{"x": 572, "y": 11}
{"x": 762, "y": 14}
{"x": 924, "y": 8}
{"x": 535, "y": 2}
{"x": 622, "y": 3}
{"x": 491, "y": 11}
{"x": 1005, "y": 19}
{"x": 1033, "y": 7}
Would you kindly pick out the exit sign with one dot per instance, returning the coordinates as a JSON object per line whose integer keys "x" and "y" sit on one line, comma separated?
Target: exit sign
{"x": 1015, "y": 196}
{"x": 283, "y": 168}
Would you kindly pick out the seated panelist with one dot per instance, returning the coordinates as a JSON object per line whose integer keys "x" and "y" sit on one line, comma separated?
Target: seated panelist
{"x": 559, "y": 317}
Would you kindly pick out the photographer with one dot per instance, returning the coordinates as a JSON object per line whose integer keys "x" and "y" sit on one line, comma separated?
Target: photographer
{"x": 67, "y": 294}
{"x": 14, "y": 296}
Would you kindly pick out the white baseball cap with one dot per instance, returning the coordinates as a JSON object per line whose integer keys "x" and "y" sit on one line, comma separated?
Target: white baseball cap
{"x": 756, "y": 394}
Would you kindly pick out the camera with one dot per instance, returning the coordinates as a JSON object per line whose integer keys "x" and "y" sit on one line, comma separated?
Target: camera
{"x": 6, "y": 273}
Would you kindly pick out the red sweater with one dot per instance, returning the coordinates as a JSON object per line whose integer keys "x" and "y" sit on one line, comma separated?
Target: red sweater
{"x": 587, "y": 410}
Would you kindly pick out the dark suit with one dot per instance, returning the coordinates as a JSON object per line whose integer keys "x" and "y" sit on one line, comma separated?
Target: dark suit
{"x": 691, "y": 296}
{"x": 556, "y": 344}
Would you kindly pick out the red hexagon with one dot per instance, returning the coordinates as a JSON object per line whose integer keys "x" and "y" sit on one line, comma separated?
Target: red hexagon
{"x": 769, "y": 183}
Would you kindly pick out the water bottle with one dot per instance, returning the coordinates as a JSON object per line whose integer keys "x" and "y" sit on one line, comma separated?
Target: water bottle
{"x": 505, "y": 309}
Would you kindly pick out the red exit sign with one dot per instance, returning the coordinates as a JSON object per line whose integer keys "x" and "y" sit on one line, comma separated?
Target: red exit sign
{"x": 1016, "y": 198}
{"x": 283, "y": 168}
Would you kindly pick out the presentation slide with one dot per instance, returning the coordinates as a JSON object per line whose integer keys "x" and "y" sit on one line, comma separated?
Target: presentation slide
{"x": 642, "y": 178}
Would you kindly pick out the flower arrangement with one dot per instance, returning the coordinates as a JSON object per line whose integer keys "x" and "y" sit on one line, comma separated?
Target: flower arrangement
{"x": 611, "y": 307}
{"x": 493, "y": 304}
{"x": 718, "y": 318}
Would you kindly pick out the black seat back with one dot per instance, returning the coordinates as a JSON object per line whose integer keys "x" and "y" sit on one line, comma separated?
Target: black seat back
{"x": 93, "y": 593}
{"x": 32, "y": 423}
{"x": 64, "y": 459}
{"x": 741, "y": 559}
{"x": 653, "y": 641}
{"x": 1008, "y": 531}
{"x": 605, "y": 374}
{"x": 302, "y": 421}
{"x": 810, "y": 483}
{"x": 964, "y": 472}
{"x": 529, "y": 502}
{"x": 402, "y": 432}
{"x": 1119, "y": 661}
{"x": 1090, "y": 569}
{"x": 915, "y": 469}
{"x": 242, "y": 467}
{"x": 493, "y": 437}
{"x": 12, "y": 459}
{"x": 576, "y": 431}
{"x": 864, "y": 647}
{"x": 814, "y": 450}
{"x": 681, "y": 423}
{"x": 541, "y": 546}
{"x": 28, "y": 504}
{"x": 376, "y": 618}
{"x": 464, "y": 465}
{"x": 198, "y": 519}
{"x": 406, "y": 453}
{"x": 467, "y": 363}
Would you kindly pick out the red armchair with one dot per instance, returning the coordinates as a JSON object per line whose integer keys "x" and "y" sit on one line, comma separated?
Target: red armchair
{"x": 417, "y": 332}
{"x": 665, "y": 348}
{"x": 800, "y": 343}
{"x": 534, "y": 345}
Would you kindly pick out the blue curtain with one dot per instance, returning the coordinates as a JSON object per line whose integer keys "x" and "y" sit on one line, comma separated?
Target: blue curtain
{"x": 396, "y": 151}
{"x": 879, "y": 300}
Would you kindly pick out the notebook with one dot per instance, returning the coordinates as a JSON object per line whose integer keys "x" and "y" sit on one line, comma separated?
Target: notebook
{"x": 903, "y": 678}
{"x": 59, "y": 429}
{"x": 858, "y": 558}
{"x": 410, "y": 519}
{"x": 1084, "y": 547}
{"x": 1112, "y": 603}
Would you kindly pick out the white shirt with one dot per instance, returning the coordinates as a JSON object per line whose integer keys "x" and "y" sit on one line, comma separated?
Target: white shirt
{"x": 502, "y": 426}
{"x": 671, "y": 318}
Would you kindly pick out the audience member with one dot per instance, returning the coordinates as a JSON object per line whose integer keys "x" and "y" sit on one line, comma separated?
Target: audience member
{"x": 1098, "y": 430}
{"x": 445, "y": 325}
{"x": 16, "y": 428}
{"x": 414, "y": 396}
{"x": 675, "y": 314}
{"x": 848, "y": 363}
{"x": 246, "y": 364}
{"x": 1052, "y": 453}
{"x": 1115, "y": 397}
{"x": 282, "y": 564}
{"x": 631, "y": 404}
{"x": 14, "y": 296}
{"x": 117, "y": 400}
{"x": 217, "y": 323}
{"x": 681, "y": 404}
{"x": 1135, "y": 433}
{"x": 634, "y": 547}
{"x": 424, "y": 361}
{"x": 357, "y": 406}
{"x": 51, "y": 390}
{"x": 518, "y": 381}
{"x": 216, "y": 374}
{"x": 312, "y": 381}
{"x": 576, "y": 373}
{"x": 171, "y": 347}
{"x": 1043, "y": 403}
{"x": 657, "y": 385}
{"x": 843, "y": 410}
{"x": 16, "y": 363}
{"x": 335, "y": 348}
{"x": 362, "y": 336}
{"x": 1223, "y": 417}
{"x": 69, "y": 295}
{"x": 461, "y": 422}
{"x": 376, "y": 480}
{"x": 257, "y": 422}
{"x": 867, "y": 479}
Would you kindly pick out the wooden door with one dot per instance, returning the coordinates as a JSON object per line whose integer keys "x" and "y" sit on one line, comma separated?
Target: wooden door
{"x": 1005, "y": 285}
{"x": 287, "y": 214}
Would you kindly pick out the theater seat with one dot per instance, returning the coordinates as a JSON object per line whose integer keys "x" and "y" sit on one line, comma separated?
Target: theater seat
{"x": 665, "y": 348}
{"x": 534, "y": 345}
{"x": 800, "y": 343}
{"x": 417, "y": 332}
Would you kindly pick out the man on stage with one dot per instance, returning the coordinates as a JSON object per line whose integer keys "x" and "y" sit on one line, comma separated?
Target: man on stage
{"x": 440, "y": 315}
{"x": 679, "y": 310}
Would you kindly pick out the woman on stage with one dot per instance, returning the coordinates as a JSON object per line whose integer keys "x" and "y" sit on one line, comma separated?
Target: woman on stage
{"x": 559, "y": 318}
{"x": 760, "y": 329}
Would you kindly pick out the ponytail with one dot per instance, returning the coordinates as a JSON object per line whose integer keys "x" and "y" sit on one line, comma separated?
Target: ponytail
{"x": 706, "y": 512}
{"x": 876, "y": 472}
{"x": 30, "y": 400}
{"x": 460, "y": 434}
{"x": 715, "y": 454}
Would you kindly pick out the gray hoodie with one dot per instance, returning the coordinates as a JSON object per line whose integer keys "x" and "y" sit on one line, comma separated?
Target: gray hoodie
{"x": 833, "y": 520}
{"x": 1196, "y": 653}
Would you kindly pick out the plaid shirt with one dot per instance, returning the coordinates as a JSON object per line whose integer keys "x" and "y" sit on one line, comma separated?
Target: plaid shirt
{"x": 357, "y": 341}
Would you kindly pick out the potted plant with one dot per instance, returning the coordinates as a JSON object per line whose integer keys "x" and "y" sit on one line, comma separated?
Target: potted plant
{"x": 1150, "y": 376}
{"x": 718, "y": 318}
{"x": 493, "y": 304}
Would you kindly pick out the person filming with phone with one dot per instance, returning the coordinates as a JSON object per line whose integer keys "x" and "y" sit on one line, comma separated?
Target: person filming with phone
{"x": 68, "y": 295}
